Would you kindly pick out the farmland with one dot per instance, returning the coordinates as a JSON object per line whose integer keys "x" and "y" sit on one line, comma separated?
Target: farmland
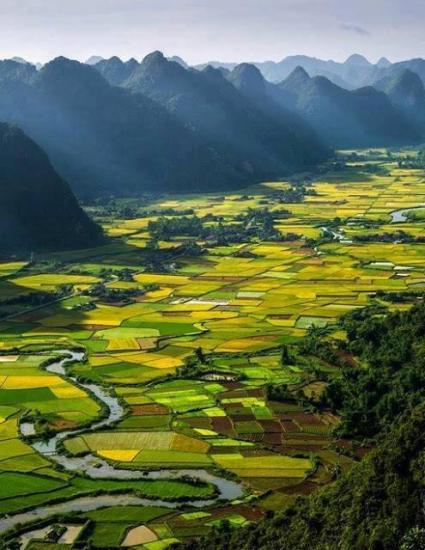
{"x": 196, "y": 336}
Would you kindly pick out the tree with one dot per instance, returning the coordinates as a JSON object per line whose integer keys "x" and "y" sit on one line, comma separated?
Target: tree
{"x": 200, "y": 355}
{"x": 285, "y": 356}
{"x": 414, "y": 539}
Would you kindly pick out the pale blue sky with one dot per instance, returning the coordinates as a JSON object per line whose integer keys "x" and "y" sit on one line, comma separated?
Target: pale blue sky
{"x": 201, "y": 30}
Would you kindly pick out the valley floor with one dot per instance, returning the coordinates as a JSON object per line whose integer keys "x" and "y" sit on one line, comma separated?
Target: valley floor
{"x": 234, "y": 308}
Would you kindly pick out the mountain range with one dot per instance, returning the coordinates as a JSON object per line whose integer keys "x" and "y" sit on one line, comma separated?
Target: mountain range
{"x": 104, "y": 139}
{"x": 37, "y": 208}
{"x": 251, "y": 139}
{"x": 168, "y": 129}
{"x": 355, "y": 72}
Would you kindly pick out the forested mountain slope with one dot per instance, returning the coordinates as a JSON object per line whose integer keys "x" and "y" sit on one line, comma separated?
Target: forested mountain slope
{"x": 37, "y": 208}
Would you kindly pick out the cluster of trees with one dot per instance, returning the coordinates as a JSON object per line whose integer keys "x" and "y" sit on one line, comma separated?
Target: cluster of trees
{"x": 396, "y": 236}
{"x": 400, "y": 297}
{"x": 393, "y": 349}
{"x": 255, "y": 223}
{"x": 295, "y": 194}
{"x": 38, "y": 298}
{"x": 376, "y": 506}
{"x": 415, "y": 162}
{"x": 113, "y": 295}
{"x": 163, "y": 229}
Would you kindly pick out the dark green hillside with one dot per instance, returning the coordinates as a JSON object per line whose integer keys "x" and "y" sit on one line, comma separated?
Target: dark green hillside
{"x": 374, "y": 507}
{"x": 37, "y": 208}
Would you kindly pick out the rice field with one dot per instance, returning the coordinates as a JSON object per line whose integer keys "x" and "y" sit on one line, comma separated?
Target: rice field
{"x": 234, "y": 305}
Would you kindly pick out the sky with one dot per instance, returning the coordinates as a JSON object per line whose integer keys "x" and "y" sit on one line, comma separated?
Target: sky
{"x": 208, "y": 30}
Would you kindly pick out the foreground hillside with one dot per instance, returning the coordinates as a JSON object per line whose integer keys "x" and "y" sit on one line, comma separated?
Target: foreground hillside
{"x": 380, "y": 502}
{"x": 377, "y": 505}
{"x": 37, "y": 208}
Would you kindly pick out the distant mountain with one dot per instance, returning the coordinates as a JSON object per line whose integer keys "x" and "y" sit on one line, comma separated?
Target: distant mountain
{"x": 415, "y": 65}
{"x": 255, "y": 143}
{"x": 15, "y": 70}
{"x": 267, "y": 97}
{"x": 179, "y": 60}
{"x": 407, "y": 91}
{"x": 356, "y": 60}
{"x": 94, "y": 59}
{"x": 105, "y": 139}
{"x": 216, "y": 65}
{"x": 353, "y": 73}
{"x": 361, "y": 118}
{"x": 116, "y": 71}
{"x": 383, "y": 63}
{"x": 37, "y": 208}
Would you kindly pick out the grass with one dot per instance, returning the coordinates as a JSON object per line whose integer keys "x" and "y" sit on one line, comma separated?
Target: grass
{"x": 15, "y": 484}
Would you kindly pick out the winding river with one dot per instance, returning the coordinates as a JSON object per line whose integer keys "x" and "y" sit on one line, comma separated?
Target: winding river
{"x": 97, "y": 468}
{"x": 398, "y": 216}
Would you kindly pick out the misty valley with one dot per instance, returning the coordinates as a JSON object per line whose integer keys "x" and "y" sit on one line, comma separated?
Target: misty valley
{"x": 212, "y": 325}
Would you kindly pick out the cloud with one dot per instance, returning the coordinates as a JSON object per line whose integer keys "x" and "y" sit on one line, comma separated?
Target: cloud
{"x": 349, "y": 27}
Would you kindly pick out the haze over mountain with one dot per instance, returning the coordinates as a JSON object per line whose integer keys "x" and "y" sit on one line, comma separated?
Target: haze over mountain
{"x": 15, "y": 70}
{"x": 93, "y": 59}
{"x": 355, "y": 72}
{"x": 253, "y": 142}
{"x": 106, "y": 139}
{"x": 361, "y": 118}
{"x": 128, "y": 127}
{"x": 199, "y": 134}
{"x": 396, "y": 125}
{"x": 407, "y": 91}
{"x": 116, "y": 71}
{"x": 37, "y": 208}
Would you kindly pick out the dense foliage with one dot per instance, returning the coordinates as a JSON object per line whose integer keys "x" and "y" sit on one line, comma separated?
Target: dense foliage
{"x": 392, "y": 350}
{"x": 255, "y": 223}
